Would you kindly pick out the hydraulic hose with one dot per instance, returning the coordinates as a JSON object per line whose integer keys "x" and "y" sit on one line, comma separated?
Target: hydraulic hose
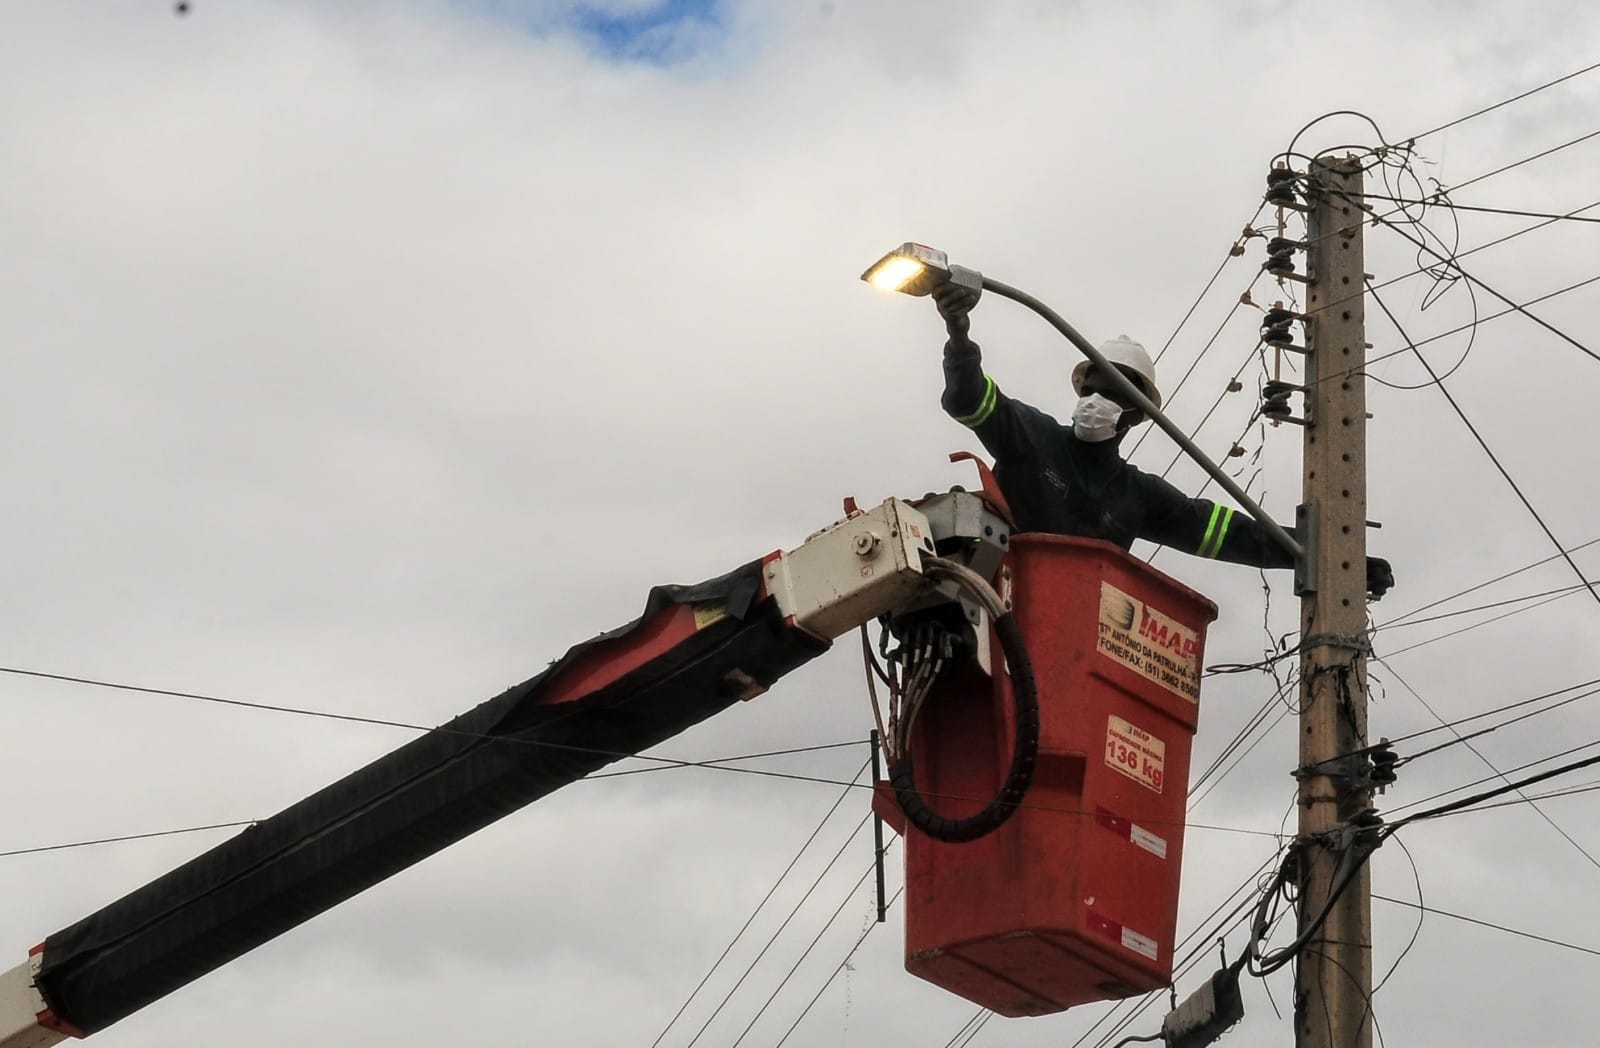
{"x": 1024, "y": 745}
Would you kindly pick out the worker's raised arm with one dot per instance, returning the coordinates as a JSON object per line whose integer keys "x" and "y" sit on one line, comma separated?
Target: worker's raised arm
{"x": 971, "y": 396}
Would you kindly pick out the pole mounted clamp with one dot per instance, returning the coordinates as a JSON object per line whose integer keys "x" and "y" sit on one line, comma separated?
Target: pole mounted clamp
{"x": 1360, "y": 643}
{"x": 1361, "y": 833}
{"x": 1371, "y": 769}
{"x": 1305, "y": 565}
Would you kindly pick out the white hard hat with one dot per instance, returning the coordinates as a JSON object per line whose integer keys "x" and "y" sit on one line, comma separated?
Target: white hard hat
{"x": 1132, "y": 359}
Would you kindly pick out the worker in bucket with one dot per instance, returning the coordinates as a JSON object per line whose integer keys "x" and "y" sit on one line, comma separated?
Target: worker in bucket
{"x": 1072, "y": 479}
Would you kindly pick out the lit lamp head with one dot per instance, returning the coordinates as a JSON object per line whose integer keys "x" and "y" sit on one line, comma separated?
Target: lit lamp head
{"x": 916, "y": 269}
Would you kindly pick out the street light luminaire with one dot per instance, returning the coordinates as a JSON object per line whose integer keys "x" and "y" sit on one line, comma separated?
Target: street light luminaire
{"x": 917, "y": 269}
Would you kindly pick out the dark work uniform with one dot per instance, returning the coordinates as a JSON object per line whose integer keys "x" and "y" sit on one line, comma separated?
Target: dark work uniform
{"x": 1062, "y": 485}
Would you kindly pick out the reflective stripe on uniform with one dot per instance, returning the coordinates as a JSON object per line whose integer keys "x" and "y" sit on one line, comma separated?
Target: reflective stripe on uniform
{"x": 985, "y": 406}
{"x": 1216, "y": 531}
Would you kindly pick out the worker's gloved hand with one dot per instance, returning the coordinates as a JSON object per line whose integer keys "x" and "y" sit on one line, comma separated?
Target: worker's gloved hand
{"x": 954, "y": 303}
{"x": 1380, "y": 577}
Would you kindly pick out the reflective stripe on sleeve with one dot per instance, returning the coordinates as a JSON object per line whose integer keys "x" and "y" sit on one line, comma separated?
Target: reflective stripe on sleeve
{"x": 985, "y": 406}
{"x": 1216, "y": 531}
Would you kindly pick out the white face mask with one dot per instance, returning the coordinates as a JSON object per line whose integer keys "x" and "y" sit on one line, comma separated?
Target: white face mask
{"x": 1095, "y": 418}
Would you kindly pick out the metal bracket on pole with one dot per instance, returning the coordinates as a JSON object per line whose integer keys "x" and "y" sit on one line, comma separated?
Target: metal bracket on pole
{"x": 1305, "y": 565}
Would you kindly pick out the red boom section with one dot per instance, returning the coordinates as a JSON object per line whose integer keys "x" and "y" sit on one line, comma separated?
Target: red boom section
{"x": 695, "y": 651}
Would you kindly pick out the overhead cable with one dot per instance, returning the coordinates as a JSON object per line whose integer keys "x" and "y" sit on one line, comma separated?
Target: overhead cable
{"x": 1467, "y": 741}
{"x": 774, "y": 937}
{"x": 1423, "y": 246}
{"x": 1184, "y": 378}
{"x": 1467, "y": 803}
{"x": 1573, "y": 564}
{"x": 1565, "y": 791}
{"x": 759, "y": 906}
{"x": 1560, "y": 591}
{"x": 127, "y": 837}
{"x": 1488, "y": 924}
{"x": 807, "y": 953}
{"x": 1593, "y": 684}
{"x": 1206, "y": 930}
{"x": 1504, "y": 102}
{"x": 1486, "y": 622}
{"x": 1569, "y": 751}
{"x": 1445, "y": 202}
{"x": 1453, "y": 331}
{"x": 842, "y": 966}
{"x": 1400, "y": 619}
{"x": 1234, "y": 251}
{"x": 1463, "y": 254}
{"x": 1525, "y": 160}
{"x": 302, "y": 711}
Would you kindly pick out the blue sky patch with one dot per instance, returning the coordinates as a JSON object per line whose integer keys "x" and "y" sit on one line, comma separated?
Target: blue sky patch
{"x": 662, "y": 34}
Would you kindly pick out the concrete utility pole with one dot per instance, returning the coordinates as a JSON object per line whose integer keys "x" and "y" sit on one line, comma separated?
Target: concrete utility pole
{"x": 1334, "y": 985}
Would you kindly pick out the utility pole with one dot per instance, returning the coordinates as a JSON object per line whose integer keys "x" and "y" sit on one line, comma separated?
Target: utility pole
{"x": 1334, "y": 982}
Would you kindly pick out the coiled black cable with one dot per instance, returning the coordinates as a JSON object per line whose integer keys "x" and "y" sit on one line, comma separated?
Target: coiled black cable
{"x": 1024, "y": 756}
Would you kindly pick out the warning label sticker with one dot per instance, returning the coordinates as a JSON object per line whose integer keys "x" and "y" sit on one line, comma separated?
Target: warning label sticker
{"x": 1142, "y": 945}
{"x": 1150, "y": 643}
{"x": 1129, "y": 939}
{"x": 1136, "y": 753}
{"x": 1156, "y": 846}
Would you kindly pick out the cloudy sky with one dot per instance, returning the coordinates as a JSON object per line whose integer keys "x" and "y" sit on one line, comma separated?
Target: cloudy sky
{"x": 363, "y": 357}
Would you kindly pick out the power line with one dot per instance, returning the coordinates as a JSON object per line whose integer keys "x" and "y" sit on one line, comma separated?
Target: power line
{"x": 774, "y": 937}
{"x": 1490, "y": 778}
{"x": 1504, "y": 102}
{"x": 128, "y": 837}
{"x": 1251, "y": 726}
{"x": 1485, "y": 622}
{"x": 1508, "y": 707}
{"x": 1227, "y": 389}
{"x": 1561, "y": 591}
{"x": 842, "y": 965}
{"x": 1467, "y": 741}
{"x": 1442, "y": 201}
{"x": 1261, "y": 736}
{"x": 1457, "y": 806}
{"x": 974, "y": 1022}
{"x": 1573, "y": 564}
{"x": 1182, "y": 966}
{"x": 759, "y": 906}
{"x": 441, "y": 730}
{"x": 807, "y": 953}
{"x": 1488, "y": 924}
{"x": 1464, "y": 327}
{"x": 1463, "y": 254}
{"x": 716, "y": 762}
{"x": 1423, "y": 246}
{"x": 251, "y": 822}
{"x": 1235, "y": 250}
{"x": 1566, "y": 791}
{"x": 1183, "y": 380}
{"x": 665, "y": 761}
{"x": 1401, "y": 619}
{"x": 1525, "y": 160}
